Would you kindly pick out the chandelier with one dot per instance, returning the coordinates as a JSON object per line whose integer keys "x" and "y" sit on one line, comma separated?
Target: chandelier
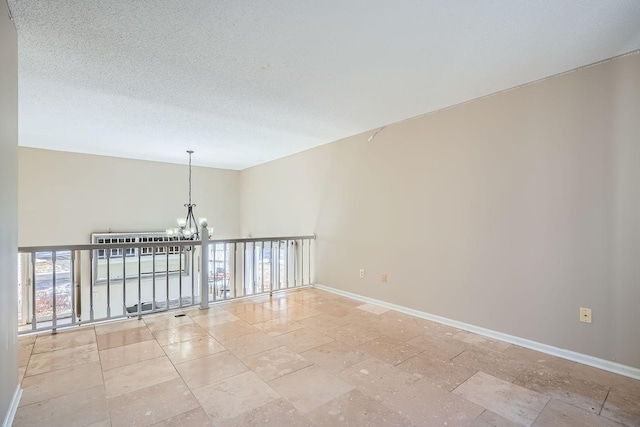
{"x": 188, "y": 228}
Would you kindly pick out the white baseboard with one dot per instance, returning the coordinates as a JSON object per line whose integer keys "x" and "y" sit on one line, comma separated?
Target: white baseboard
{"x": 585, "y": 359}
{"x": 13, "y": 407}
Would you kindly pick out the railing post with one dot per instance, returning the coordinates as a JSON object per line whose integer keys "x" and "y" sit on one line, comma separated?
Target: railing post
{"x": 204, "y": 267}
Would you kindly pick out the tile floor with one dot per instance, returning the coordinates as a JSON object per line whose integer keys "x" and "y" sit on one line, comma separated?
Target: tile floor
{"x": 305, "y": 358}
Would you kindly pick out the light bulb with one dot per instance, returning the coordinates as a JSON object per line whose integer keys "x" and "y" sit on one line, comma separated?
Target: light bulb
{"x": 182, "y": 222}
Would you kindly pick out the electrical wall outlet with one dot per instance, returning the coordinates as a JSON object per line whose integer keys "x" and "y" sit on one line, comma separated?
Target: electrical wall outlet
{"x": 585, "y": 315}
{"x": 384, "y": 278}
{"x": 362, "y": 273}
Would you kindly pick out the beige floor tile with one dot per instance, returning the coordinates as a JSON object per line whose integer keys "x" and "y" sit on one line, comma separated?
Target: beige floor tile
{"x": 233, "y": 396}
{"x": 438, "y": 330}
{"x": 398, "y": 330}
{"x": 442, "y": 373}
{"x": 377, "y": 379}
{"x": 246, "y": 345}
{"x": 608, "y": 379}
{"x": 324, "y": 322}
{"x": 424, "y": 404}
{"x": 226, "y": 331}
{"x": 64, "y": 339}
{"x": 354, "y": 334}
{"x": 303, "y": 339}
{"x": 259, "y": 315}
{"x": 193, "y": 418}
{"x": 336, "y": 356}
{"x": 136, "y": 376}
{"x": 336, "y": 309}
{"x": 132, "y": 353}
{"x": 510, "y": 401}
{"x": 124, "y": 337}
{"x": 443, "y": 348}
{"x": 560, "y": 414}
{"x": 209, "y": 369}
{"x": 103, "y": 423}
{"x": 180, "y": 333}
{"x": 556, "y": 363}
{"x": 193, "y": 349}
{"x": 389, "y": 350}
{"x": 275, "y": 363}
{"x": 80, "y": 408}
{"x": 295, "y": 387}
{"x": 168, "y": 320}
{"x": 27, "y": 340}
{"x": 355, "y": 409}
{"x": 300, "y": 312}
{"x": 152, "y": 404}
{"x": 59, "y": 359}
{"x": 118, "y": 325}
{"x": 280, "y": 304}
{"x": 347, "y": 301}
{"x": 493, "y": 363}
{"x": 216, "y": 317}
{"x": 278, "y": 413}
{"x": 578, "y": 392}
{"x": 278, "y": 326}
{"x": 623, "y": 408}
{"x": 476, "y": 340}
{"x": 491, "y": 419}
{"x": 38, "y": 388}
{"x": 24, "y": 353}
{"x": 21, "y": 371}
{"x": 372, "y": 308}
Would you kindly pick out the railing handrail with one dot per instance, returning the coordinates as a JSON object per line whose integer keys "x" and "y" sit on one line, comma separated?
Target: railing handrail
{"x": 93, "y": 246}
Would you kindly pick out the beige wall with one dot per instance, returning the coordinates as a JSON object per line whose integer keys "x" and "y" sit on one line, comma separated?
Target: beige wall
{"x": 64, "y": 197}
{"x": 8, "y": 212}
{"x": 509, "y": 212}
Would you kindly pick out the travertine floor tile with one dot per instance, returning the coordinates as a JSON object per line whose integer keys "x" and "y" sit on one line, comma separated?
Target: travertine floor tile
{"x": 443, "y": 348}
{"x": 168, "y": 320}
{"x": 295, "y": 388}
{"x": 27, "y": 340}
{"x": 151, "y": 404}
{"x": 389, "y": 350}
{"x": 303, "y": 339}
{"x": 607, "y": 379}
{"x": 558, "y": 364}
{"x": 59, "y": 359}
{"x": 228, "y": 330}
{"x": 335, "y": 356}
{"x": 209, "y": 369}
{"x": 117, "y": 326}
{"x": 278, "y": 413}
{"x": 493, "y": 363}
{"x": 246, "y": 345}
{"x": 278, "y": 326}
{"x": 64, "y": 339}
{"x": 233, "y": 396}
{"x": 336, "y": 309}
{"x": 491, "y": 419}
{"x": 578, "y": 392}
{"x": 355, "y": 409}
{"x": 193, "y": 349}
{"x": 136, "y": 376}
{"x": 180, "y": 333}
{"x": 80, "y": 408}
{"x": 622, "y": 407}
{"x": 124, "y": 337}
{"x": 280, "y": 304}
{"x": 258, "y": 315}
{"x": 377, "y": 379}
{"x": 24, "y": 353}
{"x": 132, "y": 353}
{"x": 301, "y": 312}
{"x": 275, "y": 363}
{"x": 371, "y": 308}
{"x": 216, "y": 317}
{"x": 510, "y": 401}
{"x": 354, "y": 334}
{"x": 324, "y": 322}
{"x": 38, "y": 388}
{"x": 560, "y": 414}
{"x": 442, "y": 373}
{"x": 476, "y": 340}
{"x": 193, "y": 418}
{"x": 424, "y": 404}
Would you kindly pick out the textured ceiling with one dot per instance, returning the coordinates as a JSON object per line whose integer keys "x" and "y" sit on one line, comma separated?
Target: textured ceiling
{"x": 244, "y": 82}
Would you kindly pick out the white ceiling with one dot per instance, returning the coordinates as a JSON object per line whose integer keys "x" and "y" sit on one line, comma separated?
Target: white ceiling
{"x": 244, "y": 82}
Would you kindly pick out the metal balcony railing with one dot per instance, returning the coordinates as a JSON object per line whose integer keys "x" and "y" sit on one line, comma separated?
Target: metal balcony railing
{"x": 61, "y": 286}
